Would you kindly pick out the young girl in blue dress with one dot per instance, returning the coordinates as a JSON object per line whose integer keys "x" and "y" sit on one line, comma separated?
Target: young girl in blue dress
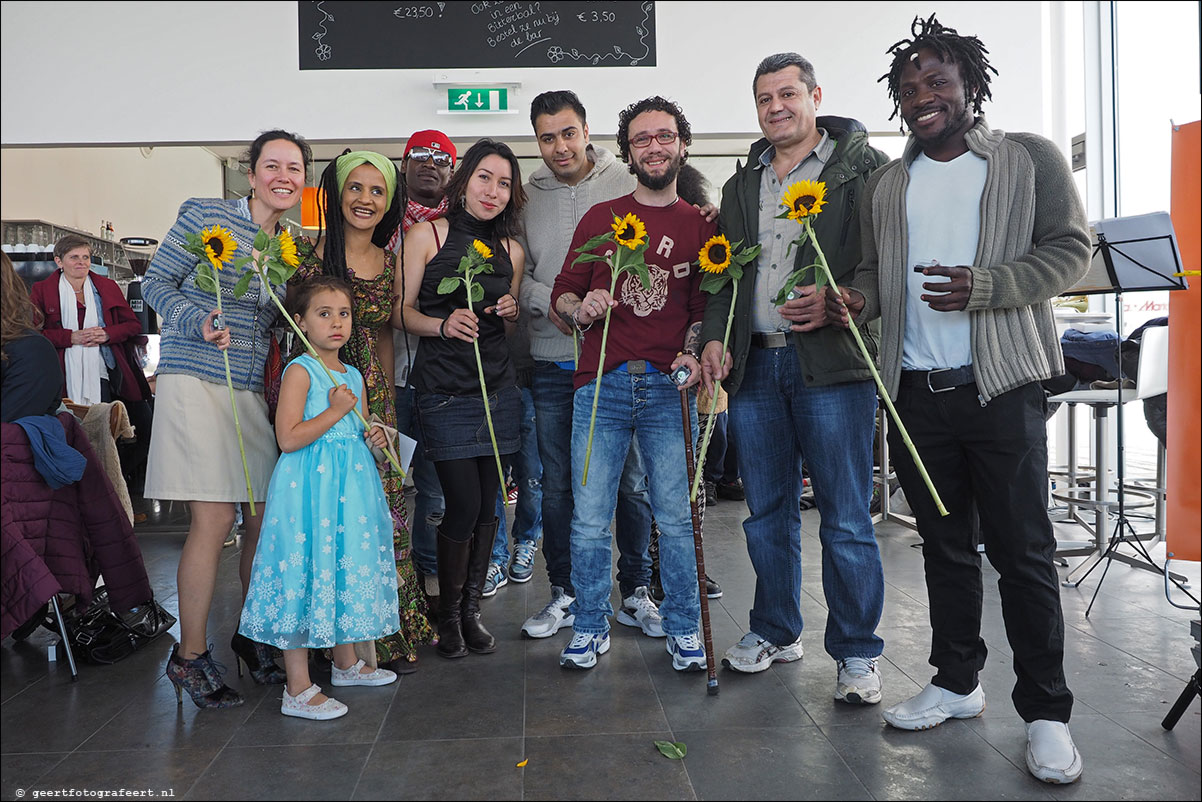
{"x": 323, "y": 573}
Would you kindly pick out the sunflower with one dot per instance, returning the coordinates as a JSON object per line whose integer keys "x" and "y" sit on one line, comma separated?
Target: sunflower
{"x": 629, "y": 231}
{"x": 715, "y": 254}
{"x": 482, "y": 249}
{"x": 219, "y": 245}
{"x": 288, "y": 253}
{"x": 804, "y": 198}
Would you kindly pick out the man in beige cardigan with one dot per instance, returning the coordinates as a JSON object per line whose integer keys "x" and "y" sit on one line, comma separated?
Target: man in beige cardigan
{"x": 965, "y": 240}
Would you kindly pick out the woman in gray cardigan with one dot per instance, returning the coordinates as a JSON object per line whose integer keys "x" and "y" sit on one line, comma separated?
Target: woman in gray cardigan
{"x": 194, "y": 454}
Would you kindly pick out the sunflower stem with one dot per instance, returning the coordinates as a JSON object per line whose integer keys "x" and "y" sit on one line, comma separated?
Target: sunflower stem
{"x": 492, "y": 435}
{"x": 592, "y": 421}
{"x": 229, "y": 385}
{"x": 709, "y": 424}
{"x": 880, "y": 385}
{"x": 313, "y": 353}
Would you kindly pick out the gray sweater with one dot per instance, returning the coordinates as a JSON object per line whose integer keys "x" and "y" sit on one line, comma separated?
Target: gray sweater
{"x": 553, "y": 209}
{"x": 1034, "y": 244}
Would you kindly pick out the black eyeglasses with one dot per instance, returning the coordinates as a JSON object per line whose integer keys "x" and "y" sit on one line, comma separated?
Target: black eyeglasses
{"x": 663, "y": 138}
{"x": 441, "y": 158}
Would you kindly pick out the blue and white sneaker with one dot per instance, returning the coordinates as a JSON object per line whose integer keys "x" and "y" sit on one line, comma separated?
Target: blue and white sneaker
{"x": 687, "y": 652}
{"x": 522, "y": 567}
{"x": 582, "y": 651}
{"x": 494, "y": 580}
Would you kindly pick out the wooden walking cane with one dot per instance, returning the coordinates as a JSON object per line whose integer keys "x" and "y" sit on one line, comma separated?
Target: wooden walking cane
{"x": 710, "y": 666}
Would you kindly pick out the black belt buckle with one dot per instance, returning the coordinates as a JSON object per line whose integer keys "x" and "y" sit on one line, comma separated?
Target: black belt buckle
{"x": 931, "y": 373}
{"x": 774, "y": 339}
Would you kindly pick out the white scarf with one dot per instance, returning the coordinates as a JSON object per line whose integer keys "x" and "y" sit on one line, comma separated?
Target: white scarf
{"x": 83, "y": 362}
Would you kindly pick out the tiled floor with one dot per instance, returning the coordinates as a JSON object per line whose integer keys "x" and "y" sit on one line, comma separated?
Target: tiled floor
{"x": 458, "y": 729}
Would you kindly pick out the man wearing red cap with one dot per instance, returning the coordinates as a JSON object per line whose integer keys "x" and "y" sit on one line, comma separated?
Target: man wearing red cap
{"x": 428, "y": 161}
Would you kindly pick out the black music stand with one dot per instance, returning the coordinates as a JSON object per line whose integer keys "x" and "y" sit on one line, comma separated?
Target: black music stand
{"x": 1130, "y": 254}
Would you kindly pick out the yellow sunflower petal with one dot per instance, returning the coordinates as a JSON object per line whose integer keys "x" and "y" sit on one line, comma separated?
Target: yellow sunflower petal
{"x": 804, "y": 198}
{"x": 482, "y": 249}
{"x": 288, "y": 254}
{"x": 715, "y": 254}
{"x": 629, "y": 231}
{"x": 219, "y": 245}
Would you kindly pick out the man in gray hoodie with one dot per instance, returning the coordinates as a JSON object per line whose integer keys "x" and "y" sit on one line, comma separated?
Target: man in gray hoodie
{"x": 574, "y": 177}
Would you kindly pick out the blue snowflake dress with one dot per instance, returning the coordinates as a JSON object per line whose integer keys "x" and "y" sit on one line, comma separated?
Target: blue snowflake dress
{"x": 324, "y": 572}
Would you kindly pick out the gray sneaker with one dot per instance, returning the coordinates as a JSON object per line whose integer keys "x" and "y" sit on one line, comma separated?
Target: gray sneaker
{"x": 754, "y": 654}
{"x": 552, "y": 618}
{"x": 859, "y": 681}
{"x": 638, "y": 610}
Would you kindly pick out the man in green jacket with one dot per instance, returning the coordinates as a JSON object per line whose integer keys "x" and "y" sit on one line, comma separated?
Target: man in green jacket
{"x": 798, "y": 390}
{"x": 966, "y": 239}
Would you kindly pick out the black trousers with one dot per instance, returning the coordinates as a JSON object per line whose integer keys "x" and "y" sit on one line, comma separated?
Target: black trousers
{"x": 989, "y": 464}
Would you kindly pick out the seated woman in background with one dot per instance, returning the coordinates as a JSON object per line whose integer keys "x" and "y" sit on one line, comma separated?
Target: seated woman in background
{"x": 486, "y": 198}
{"x": 93, "y": 339}
{"x": 30, "y": 378}
{"x": 364, "y": 202}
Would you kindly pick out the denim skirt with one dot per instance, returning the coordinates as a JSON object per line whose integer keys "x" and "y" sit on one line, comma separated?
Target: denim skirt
{"x": 455, "y": 427}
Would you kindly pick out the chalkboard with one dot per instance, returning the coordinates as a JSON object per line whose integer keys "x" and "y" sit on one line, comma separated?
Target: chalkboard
{"x": 345, "y": 35}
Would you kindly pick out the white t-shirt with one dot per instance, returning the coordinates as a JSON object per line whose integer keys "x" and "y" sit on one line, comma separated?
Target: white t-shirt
{"x": 943, "y": 213}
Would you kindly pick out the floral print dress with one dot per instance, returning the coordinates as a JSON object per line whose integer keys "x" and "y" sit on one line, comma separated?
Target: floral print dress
{"x": 372, "y": 309}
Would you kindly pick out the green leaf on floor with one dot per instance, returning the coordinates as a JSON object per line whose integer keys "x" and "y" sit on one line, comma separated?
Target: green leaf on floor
{"x": 670, "y": 750}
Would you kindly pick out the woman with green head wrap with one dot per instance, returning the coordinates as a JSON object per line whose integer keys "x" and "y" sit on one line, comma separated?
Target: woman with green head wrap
{"x": 361, "y": 203}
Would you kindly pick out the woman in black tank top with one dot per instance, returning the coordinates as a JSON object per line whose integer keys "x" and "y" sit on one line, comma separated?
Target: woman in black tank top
{"x": 485, "y": 198}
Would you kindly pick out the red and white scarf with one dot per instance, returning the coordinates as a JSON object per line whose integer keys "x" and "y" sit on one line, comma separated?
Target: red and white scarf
{"x": 416, "y": 213}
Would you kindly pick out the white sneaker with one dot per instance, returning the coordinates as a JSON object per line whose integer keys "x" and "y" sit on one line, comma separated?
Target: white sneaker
{"x": 688, "y": 654}
{"x": 859, "y": 681}
{"x": 754, "y": 654}
{"x": 639, "y": 610}
{"x": 583, "y": 649}
{"x": 932, "y": 706}
{"x": 552, "y": 618}
{"x": 1051, "y": 754}
{"x": 354, "y": 675}
{"x": 299, "y": 706}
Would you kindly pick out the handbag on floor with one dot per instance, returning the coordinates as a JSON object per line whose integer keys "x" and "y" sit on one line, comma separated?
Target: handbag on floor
{"x": 102, "y": 636}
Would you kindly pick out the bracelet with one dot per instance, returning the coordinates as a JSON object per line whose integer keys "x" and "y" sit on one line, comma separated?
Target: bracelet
{"x": 576, "y": 320}
{"x": 442, "y": 326}
{"x": 689, "y": 352}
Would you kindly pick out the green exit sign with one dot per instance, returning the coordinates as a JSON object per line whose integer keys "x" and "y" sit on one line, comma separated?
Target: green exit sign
{"x": 468, "y": 99}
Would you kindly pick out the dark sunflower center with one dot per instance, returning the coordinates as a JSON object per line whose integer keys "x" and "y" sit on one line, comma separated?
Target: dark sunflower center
{"x": 804, "y": 203}
{"x": 217, "y": 245}
{"x": 717, "y": 254}
{"x": 628, "y": 232}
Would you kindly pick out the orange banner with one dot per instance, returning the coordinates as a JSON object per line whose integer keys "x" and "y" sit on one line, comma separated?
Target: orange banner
{"x": 1183, "y": 502}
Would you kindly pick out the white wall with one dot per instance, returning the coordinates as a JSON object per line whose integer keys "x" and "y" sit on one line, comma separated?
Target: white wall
{"x": 152, "y": 73}
{"x": 79, "y": 187}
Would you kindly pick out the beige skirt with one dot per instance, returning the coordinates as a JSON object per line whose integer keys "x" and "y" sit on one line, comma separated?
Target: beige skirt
{"x": 194, "y": 445}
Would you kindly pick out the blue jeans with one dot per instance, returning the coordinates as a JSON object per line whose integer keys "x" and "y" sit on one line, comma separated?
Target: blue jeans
{"x": 777, "y": 420}
{"x": 646, "y": 405}
{"x": 528, "y": 473}
{"x": 429, "y": 505}
{"x": 552, "y": 392}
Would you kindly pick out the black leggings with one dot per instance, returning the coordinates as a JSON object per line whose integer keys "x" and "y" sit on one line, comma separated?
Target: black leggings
{"x": 470, "y": 489}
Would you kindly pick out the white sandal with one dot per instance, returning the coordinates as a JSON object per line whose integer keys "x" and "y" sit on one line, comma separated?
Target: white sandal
{"x": 299, "y": 706}
{"x": 340, "y": 677}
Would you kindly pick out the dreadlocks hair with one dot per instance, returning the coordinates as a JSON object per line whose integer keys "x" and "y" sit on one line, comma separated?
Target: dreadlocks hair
{"x": 967, "y": 52}
{"x": 332, "y": 224}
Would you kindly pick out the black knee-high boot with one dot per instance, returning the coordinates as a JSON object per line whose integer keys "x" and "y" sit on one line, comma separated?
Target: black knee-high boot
{"x": 452, "y": 574}
{"x": 475, "y": 636}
